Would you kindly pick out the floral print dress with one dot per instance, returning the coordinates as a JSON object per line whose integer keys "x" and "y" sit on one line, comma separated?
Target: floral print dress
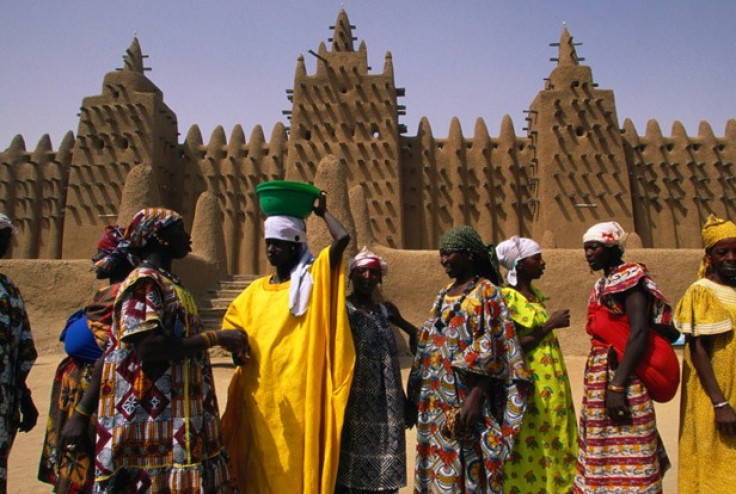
{"x": 544, "y": 455}
{"x": 468, "y": 337}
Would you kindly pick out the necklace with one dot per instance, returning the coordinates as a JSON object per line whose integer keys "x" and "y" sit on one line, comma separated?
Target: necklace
{"x": 439, "y": 321}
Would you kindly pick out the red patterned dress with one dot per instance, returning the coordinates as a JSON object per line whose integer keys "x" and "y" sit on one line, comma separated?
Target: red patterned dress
{"x": 628, "y": 458}
{"x": 158, "y": 426}
{"x": 468, "y": 337}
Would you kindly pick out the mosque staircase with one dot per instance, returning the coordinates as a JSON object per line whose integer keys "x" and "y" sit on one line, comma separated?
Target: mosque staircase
{"x": 213, "y": 306}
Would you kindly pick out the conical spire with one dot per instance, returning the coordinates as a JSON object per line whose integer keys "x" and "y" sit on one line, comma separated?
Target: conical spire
{"x": 133, "y": 57}
{"x": 342, "y": 38}
{"x": 567, "y": 54}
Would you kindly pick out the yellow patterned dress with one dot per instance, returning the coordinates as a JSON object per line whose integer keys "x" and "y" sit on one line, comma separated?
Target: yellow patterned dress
{"x": 707, "y": 457}
{"x": 544, "y": 456}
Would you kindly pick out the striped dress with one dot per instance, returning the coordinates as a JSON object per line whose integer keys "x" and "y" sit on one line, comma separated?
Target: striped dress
{"x": 612, "y": 458}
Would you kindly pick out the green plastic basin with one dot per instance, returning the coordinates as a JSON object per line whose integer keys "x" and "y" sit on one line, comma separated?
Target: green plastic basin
{"x": 286, "y": 198}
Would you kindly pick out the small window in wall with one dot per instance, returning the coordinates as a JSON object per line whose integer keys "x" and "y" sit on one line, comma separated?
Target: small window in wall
{"x": 375, "y": 132}
{"x": 580, "y": 132}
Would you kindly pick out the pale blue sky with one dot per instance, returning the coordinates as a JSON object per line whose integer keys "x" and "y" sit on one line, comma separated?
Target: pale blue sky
{"x": 228, "y": 62}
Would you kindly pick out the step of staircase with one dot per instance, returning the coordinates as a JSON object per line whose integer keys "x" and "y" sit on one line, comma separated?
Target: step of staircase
{"x": 212, "y": 307}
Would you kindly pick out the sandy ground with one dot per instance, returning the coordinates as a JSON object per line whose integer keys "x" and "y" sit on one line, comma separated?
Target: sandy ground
{"x": 23, "y": 467}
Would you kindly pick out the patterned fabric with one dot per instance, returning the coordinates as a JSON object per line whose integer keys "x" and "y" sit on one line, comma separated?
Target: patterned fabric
{"x": 17, "y": 354}
{"x": 464, "y": 238}
{"x": 67, "y": 471}
{"x": 706, "y": 455}
{"x": 609, "y": 234}
{"x": 544, "y": 454}
{"x": 146, "y": 223}
{"x": 623, "y": 278}
{"x": 612, "y": 457}
{"x": 617, "y": 458}
{"x": 159, "y": 427}
{"x": 373, "y": 448}
{"x": 479, "y": 341}
{"x": 108, "y": 249}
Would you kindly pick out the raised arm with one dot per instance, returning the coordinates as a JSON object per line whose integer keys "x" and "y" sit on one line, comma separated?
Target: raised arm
{"x": 340, "y": 236}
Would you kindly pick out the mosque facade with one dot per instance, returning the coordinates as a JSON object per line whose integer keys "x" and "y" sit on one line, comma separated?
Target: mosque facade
{"x": 570, "y": 165}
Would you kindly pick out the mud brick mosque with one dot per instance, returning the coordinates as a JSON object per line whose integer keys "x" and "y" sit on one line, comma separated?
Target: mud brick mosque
{"x": 569, "y": 165}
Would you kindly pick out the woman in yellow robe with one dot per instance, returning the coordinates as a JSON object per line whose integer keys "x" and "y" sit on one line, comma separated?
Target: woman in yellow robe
{"x": 285, "y": 404}
{"x": 707, "y": 315}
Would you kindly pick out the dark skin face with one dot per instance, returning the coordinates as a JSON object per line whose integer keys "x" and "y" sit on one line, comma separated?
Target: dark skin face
{"x": 457, "y": 264}
{"x": 599, "y": 256}
{"x": 532, "y": 266}
{"x": 365, "y": 280}
{"x": 282, "y": 253}
{"x": 722, "y": 258}
{"x": 178, "y": 239}
{"x": 6, "y": 235}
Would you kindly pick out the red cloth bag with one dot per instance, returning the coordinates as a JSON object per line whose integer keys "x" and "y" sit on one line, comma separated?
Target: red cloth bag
{"x": 659, "y": 368}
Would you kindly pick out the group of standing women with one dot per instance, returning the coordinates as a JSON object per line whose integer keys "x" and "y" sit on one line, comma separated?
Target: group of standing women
{"x": 317, "y": 404}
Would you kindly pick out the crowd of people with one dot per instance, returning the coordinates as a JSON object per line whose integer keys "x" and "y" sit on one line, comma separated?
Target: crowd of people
{"x": 317, "y": 404}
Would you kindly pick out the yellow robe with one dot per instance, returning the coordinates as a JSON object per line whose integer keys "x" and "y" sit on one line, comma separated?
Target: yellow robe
{"x": 707, "y": 457}
{"x": 285, "y": 406}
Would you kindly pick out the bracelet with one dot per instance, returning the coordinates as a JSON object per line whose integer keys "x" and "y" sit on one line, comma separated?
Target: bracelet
{"x": 722, "y": 404}
{"x": 616, "y": 389}
{"x": 81, "y": 411}
{"x": 211, "y": 338}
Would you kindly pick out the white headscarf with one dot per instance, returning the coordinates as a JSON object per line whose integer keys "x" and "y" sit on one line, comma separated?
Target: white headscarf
{"x": 513, "y": 250}
{"x": 292, "y": 229}
{"x": 609, "y": 234}
{"x": 367, "y": 258}
{"x": 6, "y": 223}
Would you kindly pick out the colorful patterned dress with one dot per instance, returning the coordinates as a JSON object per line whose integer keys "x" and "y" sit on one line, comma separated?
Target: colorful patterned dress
{"x": 17, "y": 354}
{"x": 373, "y": 448}
{"x": 73, "y": 471}
{"x": 468, "y": 337}
{"x": 158, "y": 426}
{"x": 707, "y": 457}
{"x": 628, "y": 458}
{"x": 544, "y": 454}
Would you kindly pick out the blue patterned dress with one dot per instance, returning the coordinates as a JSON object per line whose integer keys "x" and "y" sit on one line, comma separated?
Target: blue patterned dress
{"x": 468, "y": 337}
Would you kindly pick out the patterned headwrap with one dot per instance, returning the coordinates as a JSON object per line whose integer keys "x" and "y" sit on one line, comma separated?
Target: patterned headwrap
{"x": 366, "y": 258}
{"x": 609, "y": 234}
{"x": 464, "y": 238}
{"x": 715, "y": 230}
{"x": 510, "y": 252}
{"x": 146, "y": 223}
{"x": 108, "y": 249}
{"x": 5, "y": 222}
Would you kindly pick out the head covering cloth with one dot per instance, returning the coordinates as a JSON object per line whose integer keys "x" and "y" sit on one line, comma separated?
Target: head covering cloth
{"x": 464, "y": 238}
{"x": 715, "y": 230}
{"x": 5, "y": 222}
{"x": 366, "y": 258}
{"x": 512, "y": 251}
{"x": 292, "y": 229}
{"x": 108, "y": 248}
{"x": 609, "y": 234}
{"x": 146, "y": 223}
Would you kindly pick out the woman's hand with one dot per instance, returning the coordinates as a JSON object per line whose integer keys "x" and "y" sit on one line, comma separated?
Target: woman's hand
{"x": 726, "y": 420}
{"x": 616, "y": 407}
{"x": 236, "y": 342}
{"x": 321, "y": 208}
{"x": 74, "y": 431}
{"x": 559, "y": 319}
{"x": 28, "y": 412}
{"x": 470, "y": 411}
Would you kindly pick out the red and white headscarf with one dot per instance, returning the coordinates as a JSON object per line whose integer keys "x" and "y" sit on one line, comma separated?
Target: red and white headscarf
{"x": 366, "y": 258}
{"x": 609, "y": 234}
{"x": 146, "y": 223}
